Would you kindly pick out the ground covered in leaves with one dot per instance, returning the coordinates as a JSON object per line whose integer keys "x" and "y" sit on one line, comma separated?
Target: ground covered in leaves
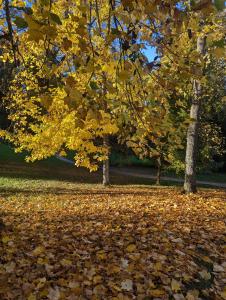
{"x": 116, "y": 243}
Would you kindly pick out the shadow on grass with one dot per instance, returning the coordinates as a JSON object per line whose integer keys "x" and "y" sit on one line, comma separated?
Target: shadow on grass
{"x": 40, "y": 177}
{"x": 44, "y": 178}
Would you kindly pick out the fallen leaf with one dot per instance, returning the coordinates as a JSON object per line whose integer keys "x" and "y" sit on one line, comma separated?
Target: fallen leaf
{"x": 6, "y": 239}
{"x": 54, "y": 293}
{"x": 156, "y": 293}
{"x": 97, "y": 279}
{"x": 66, "y": 262}
{"x": 205, "y": 275}
{"x": 10, "y": 267}
{"x": 38, "y": 250}
{"x": 124, "y": 263}
{"x": 178, "y": 297}
{"x": 131, "y": 248}
{"x": 175, "y": 285}
{"x": 127, "y": 285}
{"x": 32, "y": 297}
{"x": 218, "y": 268}
{"x": 101, "y": 255}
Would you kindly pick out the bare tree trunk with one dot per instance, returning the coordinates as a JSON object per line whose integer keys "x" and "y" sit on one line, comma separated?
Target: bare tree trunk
{"x": 191, "y": 150}
{"x": 106, "y": 165}
{"x": 159, "y": 167}
{"x": 192, "y": 133}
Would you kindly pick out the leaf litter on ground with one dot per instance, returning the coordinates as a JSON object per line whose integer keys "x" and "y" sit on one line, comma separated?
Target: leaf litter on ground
{"x": 117, "y": 243}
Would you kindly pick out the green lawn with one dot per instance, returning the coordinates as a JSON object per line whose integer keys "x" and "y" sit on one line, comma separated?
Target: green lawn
{"x": 14, "y": 172}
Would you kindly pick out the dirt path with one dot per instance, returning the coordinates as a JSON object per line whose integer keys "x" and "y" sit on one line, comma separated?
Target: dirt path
{"x": 141, "y": 174}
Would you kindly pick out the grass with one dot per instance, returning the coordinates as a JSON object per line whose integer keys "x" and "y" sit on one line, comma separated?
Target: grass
{"x": 44, "y": 170}
{"x": 211, "y": 176}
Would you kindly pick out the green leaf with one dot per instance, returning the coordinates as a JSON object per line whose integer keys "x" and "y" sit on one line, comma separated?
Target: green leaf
{"x": 93, "y": 85}
{"x": 219, "y": 43}
{"x": 220, "y": 4}
{"x": 55, "y": 18}
{"x": 20, "y": 22}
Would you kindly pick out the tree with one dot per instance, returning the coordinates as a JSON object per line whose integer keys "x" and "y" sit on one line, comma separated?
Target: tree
{"x": 193, "y": 128}
{"x": 158, "y": 131}
{"x": 39, "y": 125}
{"x": 81, "y": 64}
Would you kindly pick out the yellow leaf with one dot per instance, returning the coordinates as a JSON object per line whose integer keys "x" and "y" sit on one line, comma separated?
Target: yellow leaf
{"x": 113, "y": 286}
{"x": 35, "y": 35}
{"x": 123, "y": 75}
{"x": 101, "y": 255}
{"x": 31, "y": 297}
{"x": 38, "y": 250}
{"x": 131, "y": 248}
{"x": 66, "y": 262}
{"x": 157, "y": 293}
{"x": 115, "y": 269}
{"x": 192, "y": 295}
{"x": 42, "y": 261}
{"x": 5, "y": 239}
{"x": 97, "y": 279}
{"x": 44, "y": 293}
{"x": 158, "y": 266}
{"x": 175, "y": 285}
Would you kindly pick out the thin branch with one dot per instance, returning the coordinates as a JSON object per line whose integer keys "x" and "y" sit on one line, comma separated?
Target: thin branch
{"x": 10, "y": 30}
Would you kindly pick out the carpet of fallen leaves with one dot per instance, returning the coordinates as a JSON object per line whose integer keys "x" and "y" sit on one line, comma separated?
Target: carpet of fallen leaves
{"x": 117, "y": 243}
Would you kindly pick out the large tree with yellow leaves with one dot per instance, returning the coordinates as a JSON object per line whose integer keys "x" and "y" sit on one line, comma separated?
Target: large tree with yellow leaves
{"x": 80, "y": 62}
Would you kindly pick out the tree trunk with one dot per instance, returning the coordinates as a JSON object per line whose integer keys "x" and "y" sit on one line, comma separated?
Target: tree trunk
{"x": 191, "y": 150}
{"x": 192, "y": 133}
{"x": 106, "y": 165}
{"x": 159, "y": 166}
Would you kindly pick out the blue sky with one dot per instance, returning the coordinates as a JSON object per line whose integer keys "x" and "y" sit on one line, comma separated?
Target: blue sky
{"x": 150, "y": 52}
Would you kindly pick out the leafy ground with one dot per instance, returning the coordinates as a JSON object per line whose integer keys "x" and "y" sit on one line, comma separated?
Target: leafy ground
{"x": 66, "y": 239}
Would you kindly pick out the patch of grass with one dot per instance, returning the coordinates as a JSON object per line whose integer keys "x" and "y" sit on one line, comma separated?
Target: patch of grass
{"x": 213, "y": 177}
{"x": 13, "y": 165}
{"x": 8, "y": 155}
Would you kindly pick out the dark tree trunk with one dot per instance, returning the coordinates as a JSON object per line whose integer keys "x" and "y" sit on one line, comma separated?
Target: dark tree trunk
{"x": 159, "y": 167}
{"x": 106, "y": 164}
{"x": 10, "y": 30}
{"x": 192, "y": 133}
